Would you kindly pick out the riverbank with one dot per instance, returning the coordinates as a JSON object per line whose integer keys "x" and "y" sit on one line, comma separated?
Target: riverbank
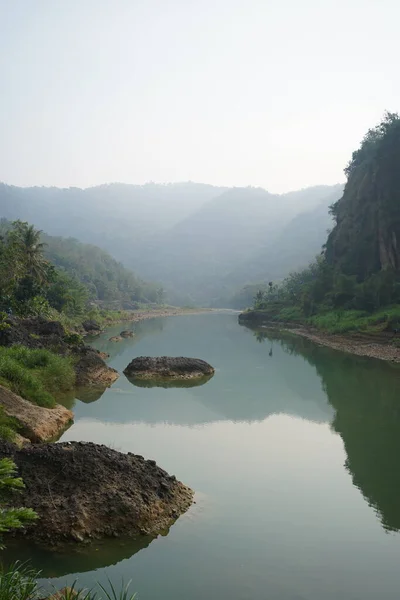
{"x": 359, "y": 344}
{"x": 135, "y": 316}
{"x": 380, "y": 344}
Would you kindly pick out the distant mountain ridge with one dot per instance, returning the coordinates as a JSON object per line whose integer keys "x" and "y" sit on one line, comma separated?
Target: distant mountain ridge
{"x": 201, "y": 242}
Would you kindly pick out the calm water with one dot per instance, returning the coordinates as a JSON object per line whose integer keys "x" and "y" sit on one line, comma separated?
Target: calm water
{"x": 293, "y": 451}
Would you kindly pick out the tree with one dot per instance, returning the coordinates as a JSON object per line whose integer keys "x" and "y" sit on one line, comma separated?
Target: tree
{"x": 26, "y": 242}
{"x": 12, "y": 518}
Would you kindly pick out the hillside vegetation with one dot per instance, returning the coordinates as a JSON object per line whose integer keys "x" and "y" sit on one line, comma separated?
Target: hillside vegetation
{"x": 75, "y": 273}
{"x": 355, "y": 283}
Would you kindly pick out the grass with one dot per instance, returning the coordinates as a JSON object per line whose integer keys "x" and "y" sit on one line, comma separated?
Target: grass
{"x": 356, "y": 320}
{"x": 8, "y": 427}
{"x": 339, "y": 321}
{"x": 19, "y": 582}
{"x": 35, "y": 374}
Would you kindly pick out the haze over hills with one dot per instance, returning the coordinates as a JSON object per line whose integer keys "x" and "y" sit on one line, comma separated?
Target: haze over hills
{"x": 199, "y": 241}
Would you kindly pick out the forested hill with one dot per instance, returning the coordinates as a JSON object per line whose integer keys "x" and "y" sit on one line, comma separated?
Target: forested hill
{"x": 103, "y": 278}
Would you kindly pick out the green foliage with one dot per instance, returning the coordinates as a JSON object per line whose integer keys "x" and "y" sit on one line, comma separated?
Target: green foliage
{"x": 35, "y": 374}
{"x": 73, "y": 339}
{"x": 11, "y": 518}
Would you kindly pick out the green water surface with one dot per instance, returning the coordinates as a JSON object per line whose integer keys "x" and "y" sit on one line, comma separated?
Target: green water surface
{"x": 293, "y": 451}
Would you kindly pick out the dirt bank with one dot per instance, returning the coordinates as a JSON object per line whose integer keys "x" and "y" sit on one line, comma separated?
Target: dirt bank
{"x": 362, "y": 345}
{"x": 379, "y": 345}
{"x": 83, "y": 491}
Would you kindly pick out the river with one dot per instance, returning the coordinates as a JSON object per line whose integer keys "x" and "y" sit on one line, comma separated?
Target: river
{"x": 292, "y": 449}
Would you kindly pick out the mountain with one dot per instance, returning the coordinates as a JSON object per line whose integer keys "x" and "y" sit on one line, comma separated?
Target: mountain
{"x": 201, "y": 242}
{"x": 111, "y": 216}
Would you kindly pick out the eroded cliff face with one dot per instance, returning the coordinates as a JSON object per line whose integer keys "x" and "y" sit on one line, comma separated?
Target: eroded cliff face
{"x": 366, "y": 238}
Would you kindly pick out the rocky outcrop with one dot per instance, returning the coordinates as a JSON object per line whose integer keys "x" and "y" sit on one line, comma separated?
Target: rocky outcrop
{"x": 91, "y": 327}
{"x": 36, "y": 423}
{"x": 91, "y": 369}
{"x": 82, "y": 491}
{"x": 168, "y": 367}
{"x": 34, "y": 332}
{"x": 115, "y": 338}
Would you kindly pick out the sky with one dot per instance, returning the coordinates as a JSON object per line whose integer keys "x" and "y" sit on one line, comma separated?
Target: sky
{"x": 271, "y": 93}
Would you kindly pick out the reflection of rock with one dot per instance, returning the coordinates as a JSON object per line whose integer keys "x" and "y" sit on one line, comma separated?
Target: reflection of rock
{"x": 128, "y": 333}
{"x": 91, "y": 369}
{"x": 169, "y": 383}
{"x": 81, "y": 557}
{"x": 167, "y": 367}
{"x": 90, "y": 393}
{"x": 83, "y": 491}
{"x": 116, "y": 338}
{"x": 37, "y": 424}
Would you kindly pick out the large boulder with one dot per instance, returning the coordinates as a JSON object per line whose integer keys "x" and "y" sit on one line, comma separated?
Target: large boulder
{"x": 169, "y": 367}
{"x": 38, "y": 424}
{"x": 83, "y": 490}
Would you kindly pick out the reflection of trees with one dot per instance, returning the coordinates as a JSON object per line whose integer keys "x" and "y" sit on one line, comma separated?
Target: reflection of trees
{"x": 141, "y": 329}
{"x": 365, "y": 394}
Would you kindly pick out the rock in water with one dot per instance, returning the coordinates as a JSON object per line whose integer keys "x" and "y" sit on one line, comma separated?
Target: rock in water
{"x": 83, "y": 490}
{"x": 128, "y": 333}
{"x": 169, "y": 367}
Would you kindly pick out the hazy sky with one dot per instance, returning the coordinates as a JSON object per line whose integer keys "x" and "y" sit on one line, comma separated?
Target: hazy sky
{"x": 275, "y": 93}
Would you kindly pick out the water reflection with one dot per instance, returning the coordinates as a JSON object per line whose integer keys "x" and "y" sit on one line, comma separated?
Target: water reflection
{"x": 365, "y": 395}
{"x": 169, "y": 383}
{"x": 75, "y": 558}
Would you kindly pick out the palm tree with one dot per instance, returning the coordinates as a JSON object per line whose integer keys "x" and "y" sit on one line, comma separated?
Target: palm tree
{"x": 28, "y": 250}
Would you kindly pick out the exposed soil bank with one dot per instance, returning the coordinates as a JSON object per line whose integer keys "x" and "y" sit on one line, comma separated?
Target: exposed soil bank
{"x": 359, "y": 344}
{"x": 83, "y": 491}
{"x": 38, "y": 424}
{"x": 378, "y": 346}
